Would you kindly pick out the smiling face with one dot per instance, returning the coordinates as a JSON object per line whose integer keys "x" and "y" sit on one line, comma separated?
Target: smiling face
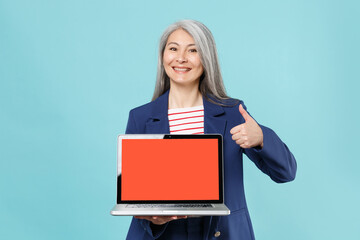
{"x": 181, "y": 59}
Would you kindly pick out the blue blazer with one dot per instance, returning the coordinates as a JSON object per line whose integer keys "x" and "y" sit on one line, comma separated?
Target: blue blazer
{"x": 274, "y": 159}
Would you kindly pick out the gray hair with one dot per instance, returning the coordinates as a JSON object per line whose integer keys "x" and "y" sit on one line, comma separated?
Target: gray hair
{"x": 211, "y": 82}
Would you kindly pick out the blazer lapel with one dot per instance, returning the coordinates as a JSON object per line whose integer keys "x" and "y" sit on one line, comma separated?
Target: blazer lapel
{"x": 213, "y": 123}
{"x": 158, "y": 121}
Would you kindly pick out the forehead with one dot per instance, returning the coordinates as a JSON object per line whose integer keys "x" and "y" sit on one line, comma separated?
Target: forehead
{"x": 180, "y": 36}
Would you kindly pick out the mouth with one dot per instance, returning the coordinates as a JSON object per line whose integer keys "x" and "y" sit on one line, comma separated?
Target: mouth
{"x": 181, "y": 69}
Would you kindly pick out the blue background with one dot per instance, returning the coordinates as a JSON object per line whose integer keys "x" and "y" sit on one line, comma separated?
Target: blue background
{"x": 70, "y": 71}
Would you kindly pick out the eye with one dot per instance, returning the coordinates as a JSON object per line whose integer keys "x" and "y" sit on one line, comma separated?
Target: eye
{"x": 193, "y": 50}
{"x": 172, "y": 49}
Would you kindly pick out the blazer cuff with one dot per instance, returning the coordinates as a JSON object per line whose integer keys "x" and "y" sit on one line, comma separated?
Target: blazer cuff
{"x": 266, "y": 135}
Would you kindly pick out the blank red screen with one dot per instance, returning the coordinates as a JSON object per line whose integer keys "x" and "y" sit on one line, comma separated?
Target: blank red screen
{"x": 169, "y": 169}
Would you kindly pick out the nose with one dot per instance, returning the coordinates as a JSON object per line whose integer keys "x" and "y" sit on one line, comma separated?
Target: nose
{"x": 181, "y": 58}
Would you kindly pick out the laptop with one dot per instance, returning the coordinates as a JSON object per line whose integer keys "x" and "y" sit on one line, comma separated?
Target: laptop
{"x": 166, "y": 175}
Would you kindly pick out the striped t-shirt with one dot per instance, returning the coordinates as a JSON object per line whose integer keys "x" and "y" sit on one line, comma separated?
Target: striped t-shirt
{"x": 186, "y": 120}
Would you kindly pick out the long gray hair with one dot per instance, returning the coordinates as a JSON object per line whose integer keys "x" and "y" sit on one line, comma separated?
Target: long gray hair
{"x": 211, "y": 82}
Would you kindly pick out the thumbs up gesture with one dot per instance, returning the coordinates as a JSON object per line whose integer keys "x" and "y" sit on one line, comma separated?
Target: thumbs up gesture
{"x": 248, "y": 134}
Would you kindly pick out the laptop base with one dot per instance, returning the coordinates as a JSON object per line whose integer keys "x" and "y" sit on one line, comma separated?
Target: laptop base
{"x": 218, "y": 209}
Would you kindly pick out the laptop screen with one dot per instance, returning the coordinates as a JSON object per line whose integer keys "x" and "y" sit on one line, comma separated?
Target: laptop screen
{"x": 173, "y": 170}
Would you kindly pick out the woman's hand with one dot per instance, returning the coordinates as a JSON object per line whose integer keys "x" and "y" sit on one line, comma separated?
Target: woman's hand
{"x": 248, "y": 134}
{"x": 160, "y": 220}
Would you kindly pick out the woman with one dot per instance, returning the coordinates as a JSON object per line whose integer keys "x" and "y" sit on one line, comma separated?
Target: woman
{"x": 189, "y": 80}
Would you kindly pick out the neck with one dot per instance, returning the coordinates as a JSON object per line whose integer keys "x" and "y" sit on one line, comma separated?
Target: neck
{"x": 183, "y": 97}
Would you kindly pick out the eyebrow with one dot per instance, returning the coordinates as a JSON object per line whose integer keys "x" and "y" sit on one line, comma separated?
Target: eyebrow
{"x": 191, "y": 44}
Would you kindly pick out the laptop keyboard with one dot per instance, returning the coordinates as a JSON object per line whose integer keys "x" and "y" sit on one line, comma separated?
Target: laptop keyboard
{"x": 200, "y": 205}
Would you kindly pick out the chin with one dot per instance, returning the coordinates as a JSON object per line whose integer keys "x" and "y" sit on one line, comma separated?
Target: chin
{"x": 184, "y": 82}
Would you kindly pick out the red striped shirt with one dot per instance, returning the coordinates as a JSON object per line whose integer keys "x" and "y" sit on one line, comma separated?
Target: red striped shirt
{"x": 186, "y": 120}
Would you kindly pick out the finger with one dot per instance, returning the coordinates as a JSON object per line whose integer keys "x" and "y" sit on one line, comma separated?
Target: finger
{"x": 237, "y": 128}
{"x": 177, "y": 217}
{"x": 238, "y": 135}
{"x": 244, "y": 113}
{"x": 239, "y": 142}
{"x": 245, "y": 145}
{"x": 165, "y": 219}
{"x": 143, "y": 217}
{"x": 243, "y": 141}
{"x": 160, "y": 220}
{"x": 149, "y": 218}
{"x": 241, "y": 132}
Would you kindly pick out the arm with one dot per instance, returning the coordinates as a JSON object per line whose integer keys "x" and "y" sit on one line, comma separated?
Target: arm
{"x": 264, "y": 148}
{"x": 275, "y": 158}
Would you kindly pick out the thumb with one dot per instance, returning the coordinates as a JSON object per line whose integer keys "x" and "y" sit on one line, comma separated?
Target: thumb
{"x": 244, "y": 113}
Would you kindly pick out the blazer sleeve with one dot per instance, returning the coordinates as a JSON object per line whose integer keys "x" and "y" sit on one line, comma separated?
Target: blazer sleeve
{"x": 153, "y": 231}
{"x": 275, "y": 158}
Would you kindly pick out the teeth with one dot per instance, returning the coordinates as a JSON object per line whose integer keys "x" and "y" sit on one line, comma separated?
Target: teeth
{"x": 182, "y": 69}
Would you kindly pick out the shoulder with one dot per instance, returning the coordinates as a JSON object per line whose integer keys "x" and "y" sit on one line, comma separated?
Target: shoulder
{"x": 138, "y": 117}
{"x": 153, "y": 108}
{"x": 231, "y": 107}
{"x": 142, "y": 114}
{"x": 233, "y": 104}
{"x": 231, "y": 111}
{"x": 229, "y": 104}
{"x": 142, "y": 109}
